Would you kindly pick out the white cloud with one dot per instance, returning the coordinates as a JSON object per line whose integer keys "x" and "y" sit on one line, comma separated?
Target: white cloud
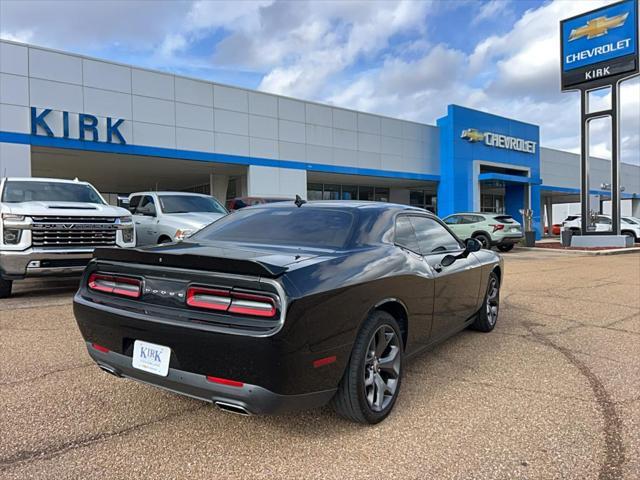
{"x": 491, "y": 9}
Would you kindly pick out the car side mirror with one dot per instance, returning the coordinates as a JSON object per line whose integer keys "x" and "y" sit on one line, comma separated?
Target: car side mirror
{"x": 448, "y": 260}
{"x": 472, "y": 245}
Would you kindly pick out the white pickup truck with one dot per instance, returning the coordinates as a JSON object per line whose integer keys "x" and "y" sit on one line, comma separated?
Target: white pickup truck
{"x": 51, "y": 227}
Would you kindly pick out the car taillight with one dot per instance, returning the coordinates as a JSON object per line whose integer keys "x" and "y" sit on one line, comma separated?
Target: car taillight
{"x": 242, "y": 303}
{"x": 251, "y": 304}
{"x": 209, "y": 298}
{"x": 497, "y": 227}
{"x": 116, "y": 285}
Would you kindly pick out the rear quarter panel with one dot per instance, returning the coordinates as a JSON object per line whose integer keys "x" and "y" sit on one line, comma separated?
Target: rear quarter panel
{"x": 333, "y": 298}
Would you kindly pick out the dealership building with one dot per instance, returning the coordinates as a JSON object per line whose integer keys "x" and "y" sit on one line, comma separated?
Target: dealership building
{"x": 127, "y": 129}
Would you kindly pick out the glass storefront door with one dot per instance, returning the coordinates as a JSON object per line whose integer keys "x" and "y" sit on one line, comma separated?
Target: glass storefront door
{"x": 492, "y": 197}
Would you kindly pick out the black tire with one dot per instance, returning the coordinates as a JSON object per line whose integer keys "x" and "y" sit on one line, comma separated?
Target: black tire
{"x": 631, "y": 235}
{"x": 357, "y": 401}
{"x": 488, "y": 314}
{"x": 506, "y": 247}
{"x": 164, "y": 240}
{"x": 5, "y": 288}
{"x": 484, "y": 239}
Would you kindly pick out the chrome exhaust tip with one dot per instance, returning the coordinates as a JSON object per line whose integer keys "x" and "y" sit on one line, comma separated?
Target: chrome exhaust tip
{"x": 233, "y": 408}
{"x": 109, "y": 370}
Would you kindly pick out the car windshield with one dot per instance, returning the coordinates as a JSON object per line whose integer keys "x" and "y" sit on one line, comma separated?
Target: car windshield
{"x": 189, "y": 203}
{"x": 306, "y": 226}
{"x": 16, "y": 191}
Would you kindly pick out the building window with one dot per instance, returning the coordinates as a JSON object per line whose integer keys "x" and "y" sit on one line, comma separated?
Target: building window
{"x": 365, "y": 193}
{"x": 381, "y": 194}
{"x": 423, "y": 199}
{"x": 314, "y": 191}
{"x": 491, "y": 203}
{"x": 331, "y": 191}
{"x": 349, "y": 192}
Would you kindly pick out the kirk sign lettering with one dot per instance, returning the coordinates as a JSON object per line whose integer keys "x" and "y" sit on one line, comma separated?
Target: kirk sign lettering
{"x": 81, "y": 126}
{"x": 600, "y": 46}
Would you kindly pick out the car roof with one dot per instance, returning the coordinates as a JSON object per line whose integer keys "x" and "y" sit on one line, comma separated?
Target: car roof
{"x": 171, "y": 193}
{"x": 344, "y": 204}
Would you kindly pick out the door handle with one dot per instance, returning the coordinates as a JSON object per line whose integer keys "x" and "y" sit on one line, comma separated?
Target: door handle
{"x": 437, "y": 267}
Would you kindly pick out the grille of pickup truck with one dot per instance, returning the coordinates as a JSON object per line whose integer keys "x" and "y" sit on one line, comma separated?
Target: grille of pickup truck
{"x": 63, "y": 231}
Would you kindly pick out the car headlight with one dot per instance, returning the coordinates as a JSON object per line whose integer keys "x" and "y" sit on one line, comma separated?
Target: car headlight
{"x": 12, "y": 216}
{"x": 125, "y": 219}
{"x": 182, "y": 234}
{"x": 11, "y": 236}
{"x": 12, "y": 228}
{"x": 127, "y": 235}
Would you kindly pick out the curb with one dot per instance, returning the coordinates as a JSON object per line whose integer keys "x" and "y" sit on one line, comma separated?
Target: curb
{"x": 617, "y": 251}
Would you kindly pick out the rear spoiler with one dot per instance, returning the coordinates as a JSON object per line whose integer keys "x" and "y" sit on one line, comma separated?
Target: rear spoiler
{"x": 190, "y": 262}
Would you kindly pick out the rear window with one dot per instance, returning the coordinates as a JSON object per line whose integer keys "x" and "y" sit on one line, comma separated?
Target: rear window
{"x": 504, "y": 218}
{"x": 571, "y": 218}
{"x": 305, "y": 226}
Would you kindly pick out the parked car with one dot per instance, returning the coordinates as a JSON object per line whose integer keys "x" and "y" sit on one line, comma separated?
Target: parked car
{"x": 51, "y": 226}
{"x": 491, "y": 229}
{"x": 555, "y": 229}
{"x": 163, "y": 217}
{"x": 241, "y": 202}
{"x": 628, "y": 226}
{"x": 278, "y": 307}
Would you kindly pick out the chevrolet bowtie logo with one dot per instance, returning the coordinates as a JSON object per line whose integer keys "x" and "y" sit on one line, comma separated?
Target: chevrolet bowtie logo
{"x": 472, "y": 135}
{"x": 598, "y": 27}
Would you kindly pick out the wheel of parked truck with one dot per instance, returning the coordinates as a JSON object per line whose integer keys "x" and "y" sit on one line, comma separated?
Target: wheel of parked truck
{"x": 5, "y": 288}
{"x": 507, "y": 247}
{"x": 488, "y": 314}
{"x": 630, "y": 235}
{"x": 371, "y": 382}
{"x": 484, "y": 239}
{"x": 164, "y": 239}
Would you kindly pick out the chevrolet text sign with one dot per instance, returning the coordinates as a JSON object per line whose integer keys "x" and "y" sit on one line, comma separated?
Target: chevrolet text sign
{"x": 498, "y": 140}
{"x": 600, "y": 44}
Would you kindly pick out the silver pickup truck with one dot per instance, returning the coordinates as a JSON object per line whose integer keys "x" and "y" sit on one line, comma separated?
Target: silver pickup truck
{"x": 162, "y": 217}
{"x": 51, "y": 227}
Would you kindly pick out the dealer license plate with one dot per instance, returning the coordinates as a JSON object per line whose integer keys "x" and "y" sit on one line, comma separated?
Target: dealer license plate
{"x": 151, "y": 358}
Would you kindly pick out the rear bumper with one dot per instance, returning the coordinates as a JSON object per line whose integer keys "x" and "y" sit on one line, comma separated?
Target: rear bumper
{"x": 35, "y": 262}
{"x": 278, "y": 371}
{"x": 508, "y": 239}
{"x": 250, "y": 398}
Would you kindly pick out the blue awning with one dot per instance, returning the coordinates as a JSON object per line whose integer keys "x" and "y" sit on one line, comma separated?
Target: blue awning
{"x": 503, "y": 177}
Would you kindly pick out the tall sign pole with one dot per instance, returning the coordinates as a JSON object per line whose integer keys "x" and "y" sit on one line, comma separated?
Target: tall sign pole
{"x": 599, "y": 49}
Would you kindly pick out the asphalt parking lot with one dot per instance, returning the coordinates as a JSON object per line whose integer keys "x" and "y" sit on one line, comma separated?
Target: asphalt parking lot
{"x": 553, "y": 392}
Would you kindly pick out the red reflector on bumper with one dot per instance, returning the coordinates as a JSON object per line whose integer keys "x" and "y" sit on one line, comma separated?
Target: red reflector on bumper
{"x": 224, "y": 381}
{"x": 100, "y": 348}
{"x": 324, "y": 361}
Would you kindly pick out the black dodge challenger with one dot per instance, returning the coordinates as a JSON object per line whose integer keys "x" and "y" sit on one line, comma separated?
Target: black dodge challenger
{"x": 288, "y": 306}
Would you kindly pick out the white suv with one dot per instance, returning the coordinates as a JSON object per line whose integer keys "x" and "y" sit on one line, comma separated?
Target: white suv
{"x": 629, "y": 226}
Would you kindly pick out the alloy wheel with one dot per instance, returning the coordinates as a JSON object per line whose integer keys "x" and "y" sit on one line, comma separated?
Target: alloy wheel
{"x": 483, "y": 241}
{"x": 382, "y": 368}
{"x": 493, "y": 300}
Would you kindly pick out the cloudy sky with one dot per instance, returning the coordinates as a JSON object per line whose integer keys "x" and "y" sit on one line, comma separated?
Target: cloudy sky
{"x": 407, "y": 59}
